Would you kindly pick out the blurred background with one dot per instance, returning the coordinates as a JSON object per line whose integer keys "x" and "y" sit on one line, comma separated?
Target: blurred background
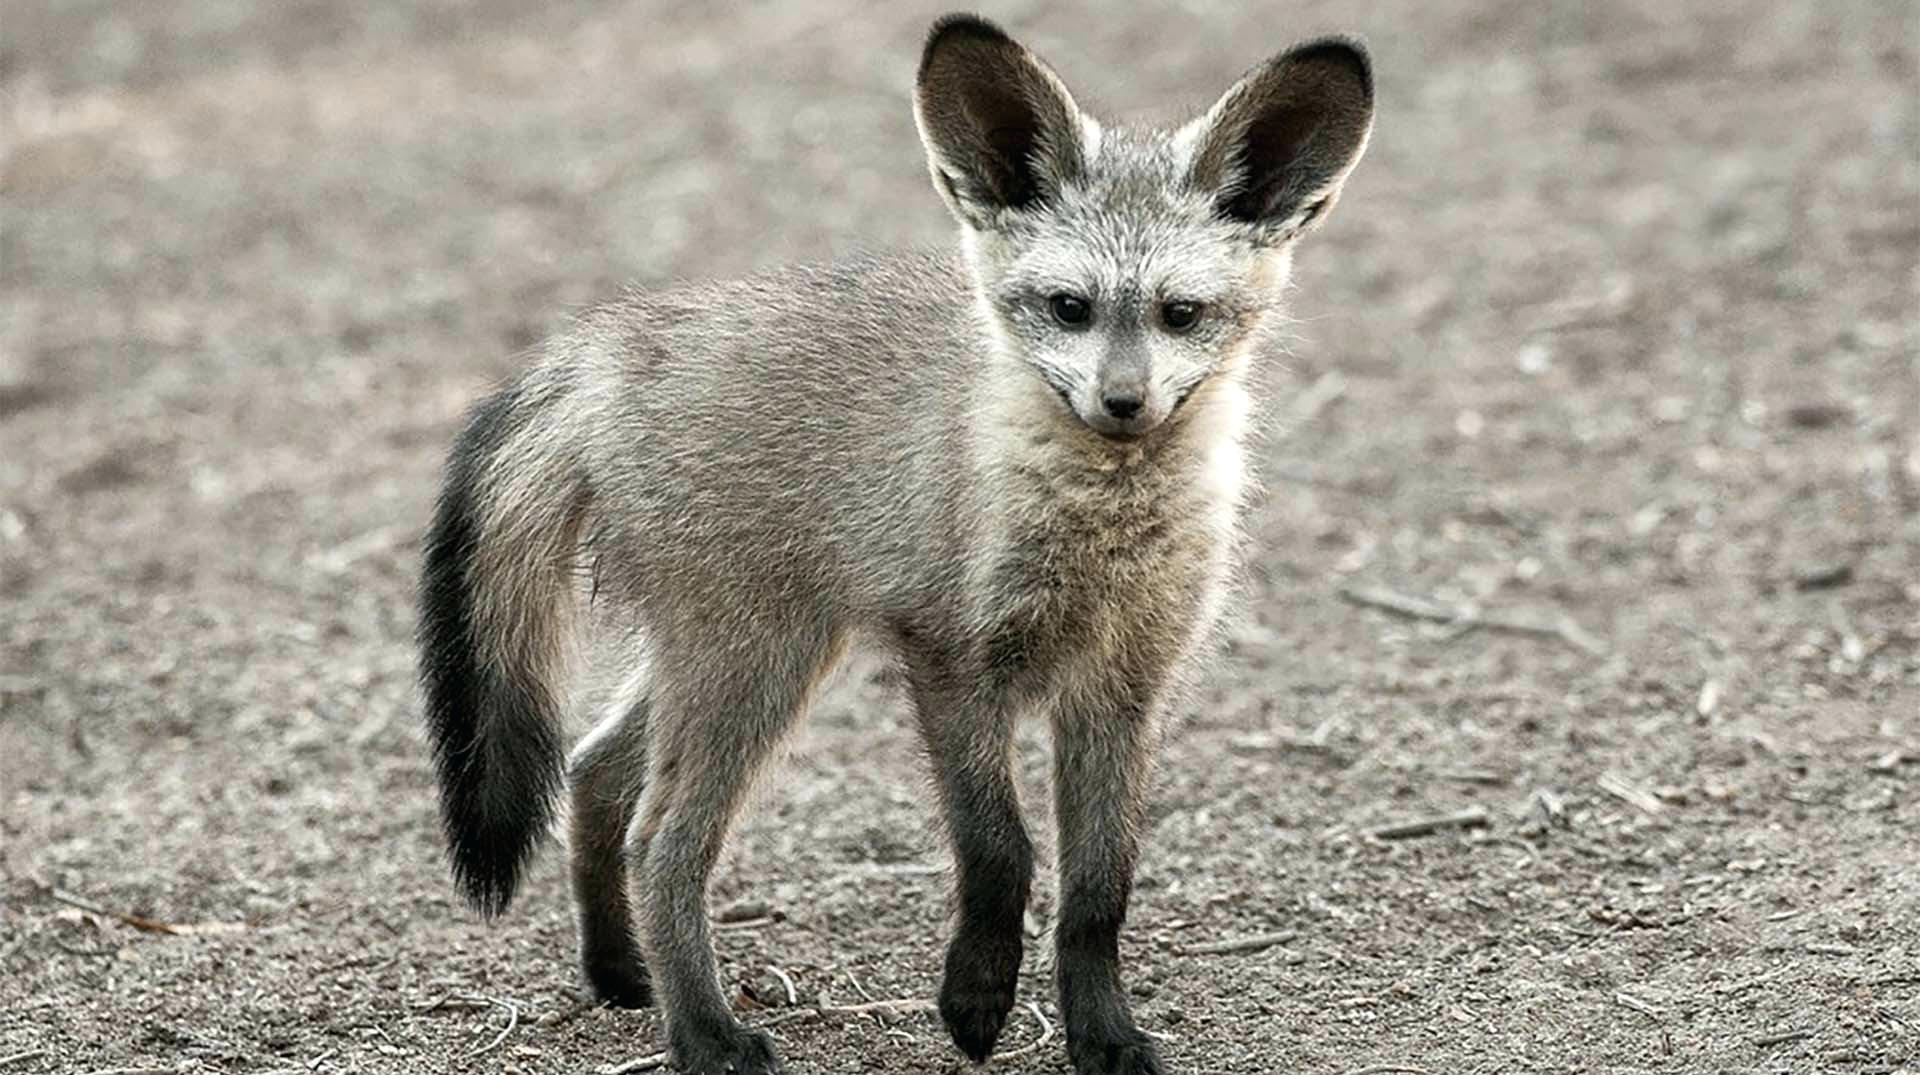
{"x": 1572, "y": 723}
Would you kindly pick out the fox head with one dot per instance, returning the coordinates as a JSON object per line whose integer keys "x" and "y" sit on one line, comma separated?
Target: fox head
{"x": 1123, "y": 266}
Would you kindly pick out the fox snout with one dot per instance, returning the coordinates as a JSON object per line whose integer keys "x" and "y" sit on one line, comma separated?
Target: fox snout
{"x": 1122, "y": 401}
{"x": 1122, "y": 409}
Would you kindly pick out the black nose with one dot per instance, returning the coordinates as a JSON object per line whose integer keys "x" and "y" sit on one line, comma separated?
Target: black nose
{"x": 1121, "y": 405}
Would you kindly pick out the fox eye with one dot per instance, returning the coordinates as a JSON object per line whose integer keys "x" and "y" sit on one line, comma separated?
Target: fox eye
{"x": 1070, "y": 310}
{"x": 1179, "y": 316}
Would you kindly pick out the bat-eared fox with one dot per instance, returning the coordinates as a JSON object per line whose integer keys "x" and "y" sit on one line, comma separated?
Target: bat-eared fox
{"x": 1016, "y": 468}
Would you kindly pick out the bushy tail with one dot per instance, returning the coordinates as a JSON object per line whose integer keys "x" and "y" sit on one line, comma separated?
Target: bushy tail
{"x": 496, "y": 595}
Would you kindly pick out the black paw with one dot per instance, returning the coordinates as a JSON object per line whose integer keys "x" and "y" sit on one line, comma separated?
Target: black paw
{"x": 1130, "y": 1054}
{"x": 975, "y": 1020}
{"x": 736, "y": 1052}
{"x": 619, "y": 982}
{"x": 977, "y": 993}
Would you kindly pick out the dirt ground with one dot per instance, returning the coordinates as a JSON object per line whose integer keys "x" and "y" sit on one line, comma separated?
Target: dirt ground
{"x": 1615, "y": 327}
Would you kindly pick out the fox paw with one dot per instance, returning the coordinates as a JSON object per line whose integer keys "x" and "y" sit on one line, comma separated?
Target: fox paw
{"x": 976, "y": 995}
{"x": 1131, "y": 1055}
{"x": 619, "y": 983}
{"x": 742, "y": 1052}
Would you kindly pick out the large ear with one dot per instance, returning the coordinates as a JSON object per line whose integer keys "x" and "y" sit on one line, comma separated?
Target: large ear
{"x": 1276, "y": 148}
{"x": 1001, "y": 131}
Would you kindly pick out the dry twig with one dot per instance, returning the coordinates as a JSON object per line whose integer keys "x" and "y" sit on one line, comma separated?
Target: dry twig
{"x": 793, "y": 997}
{"x": 877, "y": 1007}
{"x": 1628, "y": 1000}
{"x": 1465, "y": 618}
{"x": 1257, "y": 943}
{"x": 513, "y": 1020}
{"x": 1629, "y": 792}
{"x": 744, "y": 911}
{"x": 1728, "y": 989}
{"x": 1046, "y": 1035}
{"x": 453, "y": 1002}
{"x": 653, "y": 1062}
{"x": 142, "y": 922}
{"x": 1470, "y": 818}
{"x": 858, "y": 986}
{"x": 746, "y": 923}
{"x": 139, "y": 922}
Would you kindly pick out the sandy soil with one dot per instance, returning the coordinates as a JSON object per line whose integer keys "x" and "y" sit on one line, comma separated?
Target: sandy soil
{"x": 1616, "y": 323}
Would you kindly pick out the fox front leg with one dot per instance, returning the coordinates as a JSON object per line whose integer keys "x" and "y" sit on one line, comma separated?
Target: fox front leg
{"x": 1103, "y": 758}
{"x": 970, "y": 741}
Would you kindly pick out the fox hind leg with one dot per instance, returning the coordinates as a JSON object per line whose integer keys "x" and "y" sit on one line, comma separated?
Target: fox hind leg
{"x": 607, "y": 774}
{"x": 720, "y": 705}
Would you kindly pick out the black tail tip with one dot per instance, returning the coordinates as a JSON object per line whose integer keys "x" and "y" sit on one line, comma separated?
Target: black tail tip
{"x": 488, "y": 883}
{"x": 490, "y": 896}
{"x": 490, "y": 856}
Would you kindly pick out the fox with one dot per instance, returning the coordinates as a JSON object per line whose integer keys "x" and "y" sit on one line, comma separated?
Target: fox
{"x": 1017, "y": 469}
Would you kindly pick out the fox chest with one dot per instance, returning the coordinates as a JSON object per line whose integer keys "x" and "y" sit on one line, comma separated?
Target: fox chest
{"x": 1111, "y": 591}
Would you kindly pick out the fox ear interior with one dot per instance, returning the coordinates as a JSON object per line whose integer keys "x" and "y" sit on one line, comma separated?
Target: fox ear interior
{"x": 1001, "y": 131}
{"x": 1279, "y": 144}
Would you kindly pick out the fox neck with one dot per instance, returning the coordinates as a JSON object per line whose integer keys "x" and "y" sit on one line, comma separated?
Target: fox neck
{"x": 1107, "y": 548}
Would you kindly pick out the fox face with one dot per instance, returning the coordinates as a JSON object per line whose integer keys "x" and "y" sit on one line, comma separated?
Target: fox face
{"x": 1123, "y": 267}
{"x": 1128, "y": 292}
